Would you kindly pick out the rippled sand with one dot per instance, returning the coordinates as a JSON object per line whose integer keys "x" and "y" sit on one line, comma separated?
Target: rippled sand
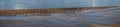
{"x": 85, "y": 18}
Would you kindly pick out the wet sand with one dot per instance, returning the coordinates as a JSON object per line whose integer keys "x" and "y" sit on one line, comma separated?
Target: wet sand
{"x": 83, "y": 18}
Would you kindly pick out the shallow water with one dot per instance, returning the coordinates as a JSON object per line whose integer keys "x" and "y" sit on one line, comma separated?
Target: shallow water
{"x": 79, "y": 19}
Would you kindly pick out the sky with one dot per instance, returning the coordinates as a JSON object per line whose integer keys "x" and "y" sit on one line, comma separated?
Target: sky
{"x": 28, "y": 4}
